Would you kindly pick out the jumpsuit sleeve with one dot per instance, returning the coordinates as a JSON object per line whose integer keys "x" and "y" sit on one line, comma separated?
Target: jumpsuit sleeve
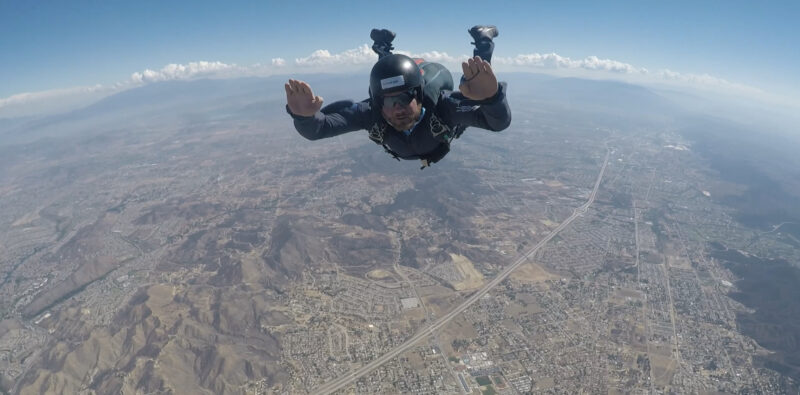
{"x": 492, "y": 114}
{"x": 334, "y": 119}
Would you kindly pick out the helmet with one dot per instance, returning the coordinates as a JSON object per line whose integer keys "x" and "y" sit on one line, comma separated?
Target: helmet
{"x": 394, "y": 73}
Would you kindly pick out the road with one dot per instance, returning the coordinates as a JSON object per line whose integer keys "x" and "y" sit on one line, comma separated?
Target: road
{"x": 341, "y": 382}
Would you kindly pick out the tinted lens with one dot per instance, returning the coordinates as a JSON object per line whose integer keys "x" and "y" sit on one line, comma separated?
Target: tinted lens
{"x": 402, "y": 99}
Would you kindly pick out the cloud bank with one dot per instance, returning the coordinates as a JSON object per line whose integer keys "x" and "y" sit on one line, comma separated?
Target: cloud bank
{"x": 322, "y": 57}
{"x": 359, "y": 59}
{"x": 182, "y": 72}
{"x": 60, "y": 100}
{"x": 555, "y": 61}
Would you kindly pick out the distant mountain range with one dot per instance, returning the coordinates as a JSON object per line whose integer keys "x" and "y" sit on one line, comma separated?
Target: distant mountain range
{"x": 201, "y": 101}
{"x": 230, "y": 96}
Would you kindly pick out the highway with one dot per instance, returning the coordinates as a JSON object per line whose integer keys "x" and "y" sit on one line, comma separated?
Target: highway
{"x": 341, "y": 382}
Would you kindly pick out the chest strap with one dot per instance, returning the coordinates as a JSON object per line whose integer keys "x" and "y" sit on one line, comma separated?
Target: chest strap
{"x": 436, "y": 126}
{"x": 376, "y": 133}
{"x": 439, "y": 130}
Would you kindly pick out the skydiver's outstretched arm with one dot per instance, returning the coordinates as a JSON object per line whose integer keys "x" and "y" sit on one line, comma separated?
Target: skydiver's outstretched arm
{"x": 315, "y": 122}
{"x": 481, "y": 101}
{"x": 491, "y": 114}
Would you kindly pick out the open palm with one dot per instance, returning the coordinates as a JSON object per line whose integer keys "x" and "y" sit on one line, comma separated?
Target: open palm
{"x": 479, "y": 81}
{"x": 301, "y": 99}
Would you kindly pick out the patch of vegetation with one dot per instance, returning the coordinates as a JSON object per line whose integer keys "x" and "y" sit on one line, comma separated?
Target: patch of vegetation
{"x": 483, "y": 380}
{"x": 459, "y": 343}
{"x": 769, "y": 288}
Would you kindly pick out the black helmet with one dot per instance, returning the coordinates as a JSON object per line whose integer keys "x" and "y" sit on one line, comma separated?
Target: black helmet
{"x": 394, "y": 73}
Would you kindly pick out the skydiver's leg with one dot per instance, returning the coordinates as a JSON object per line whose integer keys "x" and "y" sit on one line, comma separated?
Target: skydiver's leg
{"x": 484, "y": 49}
{"x": 382, "y": 41}
{"x": 484, "y": 46}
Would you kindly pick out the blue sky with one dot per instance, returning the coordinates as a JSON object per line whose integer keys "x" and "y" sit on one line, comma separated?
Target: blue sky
{"x": 65, "y": 44}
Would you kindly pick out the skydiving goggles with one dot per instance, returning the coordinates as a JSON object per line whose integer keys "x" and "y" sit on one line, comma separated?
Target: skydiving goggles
{"x": 402, "y": 99}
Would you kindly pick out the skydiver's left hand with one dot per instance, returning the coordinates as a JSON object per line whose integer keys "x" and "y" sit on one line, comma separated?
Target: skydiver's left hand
{"x": 479, "y": 81}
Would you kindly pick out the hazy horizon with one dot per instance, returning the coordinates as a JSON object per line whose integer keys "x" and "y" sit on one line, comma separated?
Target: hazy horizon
{"x": 67, "y": 57}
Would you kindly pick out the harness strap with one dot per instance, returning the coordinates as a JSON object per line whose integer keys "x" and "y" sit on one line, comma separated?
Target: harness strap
{"x": 439, "y": 130}
{"x": 376, "y": 133}
{"x": 390, "y": 152}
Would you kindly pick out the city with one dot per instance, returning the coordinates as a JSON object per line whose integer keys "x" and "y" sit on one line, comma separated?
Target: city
{"x": 558, "y": 257}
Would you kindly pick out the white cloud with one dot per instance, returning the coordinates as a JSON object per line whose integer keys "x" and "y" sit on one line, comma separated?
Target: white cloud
{"x": 60, "y": 100}
{"x": 182, "y": 72}
{"x": 436, "y": 56}
{"x": 357, "y": 60}
{"x": 594, "y": 63}
{"x": 358, "y": 56}
{"x": 556, "y": 61}
{"x": 595, "y": 67}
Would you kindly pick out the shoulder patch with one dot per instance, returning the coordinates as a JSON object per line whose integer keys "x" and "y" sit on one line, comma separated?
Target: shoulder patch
{"x": 467, "y": 108}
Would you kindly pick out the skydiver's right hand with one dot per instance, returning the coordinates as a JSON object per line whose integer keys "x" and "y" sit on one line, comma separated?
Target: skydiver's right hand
{"x": 301, "y": 99}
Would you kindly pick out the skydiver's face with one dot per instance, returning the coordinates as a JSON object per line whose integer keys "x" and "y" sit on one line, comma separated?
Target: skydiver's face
{"x": 401, "y": 116}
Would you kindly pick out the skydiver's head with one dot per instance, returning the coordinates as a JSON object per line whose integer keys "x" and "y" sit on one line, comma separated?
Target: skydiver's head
{"x": 395, "y": 87}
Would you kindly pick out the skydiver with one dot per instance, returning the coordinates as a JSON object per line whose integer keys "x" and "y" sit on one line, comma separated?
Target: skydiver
{"x": 412, "y": 110}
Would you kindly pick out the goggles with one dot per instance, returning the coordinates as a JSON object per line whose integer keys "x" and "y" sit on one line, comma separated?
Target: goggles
{"x": 402, "y": 99}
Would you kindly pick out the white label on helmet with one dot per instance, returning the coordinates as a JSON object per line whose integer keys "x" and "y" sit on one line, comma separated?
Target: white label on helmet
{"x": 392, "y": 82}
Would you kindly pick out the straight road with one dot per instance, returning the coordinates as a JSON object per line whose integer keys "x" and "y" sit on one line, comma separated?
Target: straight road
{"x": 341, "y": 382}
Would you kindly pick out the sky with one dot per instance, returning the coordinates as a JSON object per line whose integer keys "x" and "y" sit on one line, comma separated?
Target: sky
{"x": 61, "y": 50}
